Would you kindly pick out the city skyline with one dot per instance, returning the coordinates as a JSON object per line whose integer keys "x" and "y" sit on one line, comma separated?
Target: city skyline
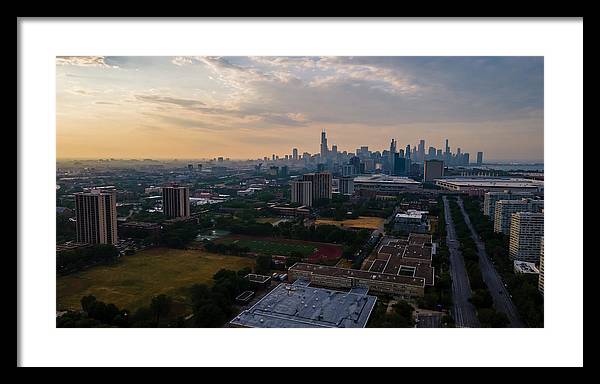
{"x": 251, "y": 107}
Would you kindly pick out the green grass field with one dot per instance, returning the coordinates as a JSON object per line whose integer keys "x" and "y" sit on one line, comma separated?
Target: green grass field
{"x": 137, "y": 278}
{"x": 272, "y": 247}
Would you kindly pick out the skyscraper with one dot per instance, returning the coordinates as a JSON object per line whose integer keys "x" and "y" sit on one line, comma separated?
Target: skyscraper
{"x": 479, "y": 158}
{"x": 408, "y": 151}
{"x": 391, "y": 156}
{"x": 96, "y": 214}
{"x": 421, "y": 156}
{"x": 324, "y": 148}
{"x": 176, "y": 201}
{"x": 431, "y": 153}
{"x": 295, "y": 153}
{"x": 400, "y": 165}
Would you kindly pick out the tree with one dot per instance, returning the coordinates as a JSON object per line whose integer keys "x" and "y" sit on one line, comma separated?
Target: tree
{"x": 87, "y": 302}
{"x": 293, "y": 258}
{"x": 209, "y": 316}
{"x": 160, "y": 306}
{"x": 263, "y": 264}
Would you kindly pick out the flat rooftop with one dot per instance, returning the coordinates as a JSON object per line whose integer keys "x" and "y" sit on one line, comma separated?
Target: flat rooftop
{"x": 384, "y": 179}
{"x": 359, "y": 274}
{"x": 496, "y": 182}
{"x": 301, "y": 306}
{"x": 253, "y": 277}
{"x": 404, "y": 258}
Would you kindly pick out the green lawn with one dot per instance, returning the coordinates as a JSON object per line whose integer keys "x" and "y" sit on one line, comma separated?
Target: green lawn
{"x": 272, "y": 247}
{"x": 137, "y": 278}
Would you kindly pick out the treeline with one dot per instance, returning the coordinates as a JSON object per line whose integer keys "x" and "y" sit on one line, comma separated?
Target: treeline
{"x": 225, "y": 249}
{"x": 65, "y": 229}
{"x": 441, "y": 292}
{"x": 97, "y": 314}
{"x": 295, "y": 230}
{"x": 481, "y": 298}
{"x": 523, "y": 288}
{"x": 77, "y": 259}
{"x": 213, "y": 306}
{"x": 178, "y": 235}
{"x": 399, "y": 317}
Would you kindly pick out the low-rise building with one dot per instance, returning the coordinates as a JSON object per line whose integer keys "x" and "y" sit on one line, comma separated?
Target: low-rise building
{"x": 525, "y": 267}
{"x": 299, "y": 305}
{"x": 489, "y": 184}
{"x": 412, "y": 221}
{"x": 381, "y": 183}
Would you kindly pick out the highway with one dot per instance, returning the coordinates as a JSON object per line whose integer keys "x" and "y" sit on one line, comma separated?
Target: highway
{"x": 463, "y": 311}
{"x": 502, "y": 300}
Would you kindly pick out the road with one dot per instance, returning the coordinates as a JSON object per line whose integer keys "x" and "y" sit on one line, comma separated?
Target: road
{"x": 463, "y": 311}
{"x": 429, "y": 321}
{"x": 502, "y": 300}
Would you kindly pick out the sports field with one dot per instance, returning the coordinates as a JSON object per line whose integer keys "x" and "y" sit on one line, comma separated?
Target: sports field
{"x": 361, "y": 222}
{"x": 313, "y": 252}
{"x": 137, "y": 278}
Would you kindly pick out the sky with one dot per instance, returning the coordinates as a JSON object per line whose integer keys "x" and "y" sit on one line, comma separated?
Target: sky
{"x": 194, "y": 107}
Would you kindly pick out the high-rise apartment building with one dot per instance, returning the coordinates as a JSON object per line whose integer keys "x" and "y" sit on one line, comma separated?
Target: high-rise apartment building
{"x": 302, "y": 192}
{"x": 295, "y": 153}
{"x": 176, "y": 201}
{"x": 506, "y": 208}
{"x": 96, "y": 214}
{"x": 541, "y": 268}
{"x": 490, "y": 199}
{"x": 526, "y": 232}
{"x": 321, "y": 184}
{"x": 433, "y": 169}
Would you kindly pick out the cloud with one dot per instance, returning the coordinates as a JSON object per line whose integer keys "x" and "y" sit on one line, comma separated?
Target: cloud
{"x": 169, "y": 100}
{"x": 106, "y": 103}
{"x": 84, "y": 61}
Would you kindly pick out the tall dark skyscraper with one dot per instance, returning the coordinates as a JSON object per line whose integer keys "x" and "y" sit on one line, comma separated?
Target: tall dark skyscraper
{"x": 431, "y": 153}
{"x": 408, "y": 151}
{"x": 324, "y": 148}
{"x": 479, "y": 158}
{"x": 421, "y": 156}
{"x": 392, "y": 153}
{"x": 295, "y": 153}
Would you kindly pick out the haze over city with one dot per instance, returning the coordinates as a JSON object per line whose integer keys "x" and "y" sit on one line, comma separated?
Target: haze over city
{"x": 250, "y": 107}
